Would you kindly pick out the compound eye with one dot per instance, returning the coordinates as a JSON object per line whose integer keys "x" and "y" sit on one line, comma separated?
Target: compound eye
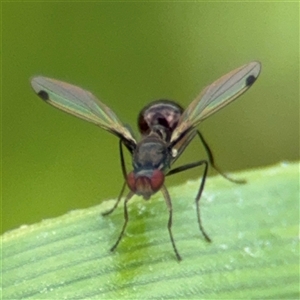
{"x": 157, "y": 180}
{"x": 131, "y": 181}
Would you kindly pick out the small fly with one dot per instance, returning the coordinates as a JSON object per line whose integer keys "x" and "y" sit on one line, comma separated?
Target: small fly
{"x": 166, "y": 130}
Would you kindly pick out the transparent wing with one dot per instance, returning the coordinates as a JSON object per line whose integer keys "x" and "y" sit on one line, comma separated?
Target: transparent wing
{"x": 217, "y": 95}
{"x": 181, "y": 144}
{"x": 80, "y": 103}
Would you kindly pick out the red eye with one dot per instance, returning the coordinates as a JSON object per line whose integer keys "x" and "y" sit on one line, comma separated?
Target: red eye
{"x": 131, "y": 181}
{"x": 145, "y": 185}
{"x": 157, "y": 179}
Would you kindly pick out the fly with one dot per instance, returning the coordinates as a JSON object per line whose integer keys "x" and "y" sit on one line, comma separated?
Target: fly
{"x": 166, "y": 130}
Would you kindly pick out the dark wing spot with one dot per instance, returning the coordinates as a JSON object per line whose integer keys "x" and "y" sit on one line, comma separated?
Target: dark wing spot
{"x": 250, "y": 80}
{"x": 43, "y": 95}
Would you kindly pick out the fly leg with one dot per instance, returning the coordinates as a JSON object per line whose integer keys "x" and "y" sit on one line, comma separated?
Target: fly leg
{"x": 169, "y": 205}
{"x": 117, "y": 202}
{"x": 198, "y": 197}
{"x": 124, "y": 184}
{"x": 128, "y": 197}
{"x": 212, "y": 161}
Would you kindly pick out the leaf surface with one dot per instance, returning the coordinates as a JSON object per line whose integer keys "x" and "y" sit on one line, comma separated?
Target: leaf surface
{"x": 254, "y": 253}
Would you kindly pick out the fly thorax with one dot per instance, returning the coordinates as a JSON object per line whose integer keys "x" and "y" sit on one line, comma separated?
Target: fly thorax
{"x": 151, "y": 153}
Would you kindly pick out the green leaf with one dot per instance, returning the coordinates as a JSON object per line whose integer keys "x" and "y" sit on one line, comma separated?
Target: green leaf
{"x": 254, "y": 253}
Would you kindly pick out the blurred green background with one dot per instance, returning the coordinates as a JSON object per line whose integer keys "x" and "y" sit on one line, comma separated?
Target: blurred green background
{"x": 129, "y": 54}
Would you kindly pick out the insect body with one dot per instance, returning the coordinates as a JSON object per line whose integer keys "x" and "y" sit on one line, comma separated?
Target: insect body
{"x": 166, "y": 130}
